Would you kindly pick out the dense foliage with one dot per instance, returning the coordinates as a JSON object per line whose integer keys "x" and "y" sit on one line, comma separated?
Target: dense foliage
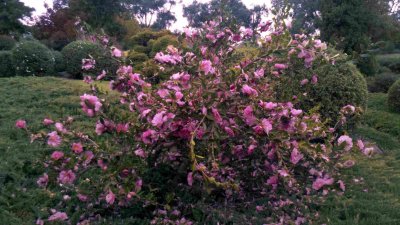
{"x": 6, "y": 43}
{"x": 394, "y": 97}
{"x": 74, "y": 52}
{"x": 59, "y": 63}
{"x": 11, "y": 14}
{"x": 368, "y": 64}
{"x": 210, "y": 138}
{"x": 6, "y": 64}
{"x": 382, "y": 82}
{"x": 32, "y": 58}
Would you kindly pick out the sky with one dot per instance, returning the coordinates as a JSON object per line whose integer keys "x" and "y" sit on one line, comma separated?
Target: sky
{"x": 178, "y": 9}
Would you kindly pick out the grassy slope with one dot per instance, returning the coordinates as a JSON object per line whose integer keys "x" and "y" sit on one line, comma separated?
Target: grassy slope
{"x": 374, "y": 201}
{"x": 31, "y": 99}
{"x": 377, "y": 199}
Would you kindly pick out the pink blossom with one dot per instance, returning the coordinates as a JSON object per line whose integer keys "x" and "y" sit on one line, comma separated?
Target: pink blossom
{"x": 110, "y": 197}
{"x": 88, "y": 64}
{"x": 229, "y": 131}
{"x": 43, "y": 180}
{"x": 88, "y": 79}
{"x": 248, "y": 115}
{"x": 57, "y": 155}
{"x": 116, "y": 53}
{"x": 314, "y": 79}
{"x": 247, "y": 32}
{"x": 21, "y": 124}
{"x": 190, "y": 179}
{"x": 217, "y": 116}
{"x": 346, "y": 139}
{"x": 280, "y": 66}
{"x": 360, "y": 144}
{"x": 77, "y": 148}
{"x": 259, "y": 73}
{"x": 88, "y": 156}
{"x": 268, "y": 105}
{"x": 122, "y": 127}
{"x": 171, "y": 59}
{"x": 66, "y": 177}
{"x": 273, "y": 181}
{"x": 163, "y": 93}
{"x": 296, "y": 112}
{"x": 102, "y": 75}
{"x": 206, "y": 67}
{"x": 39, "y": 222}
{"x": 54, "y": 140}
{"x": 60, "y": 127}
{"x": 266, "y": 125}
{"x": 47, "y": 121}
{"x": 296, "y": 156}
{"x": 82, "y": 197}
{"x": 58, "y": 216}
{"x": 149, "y": 136}
{"x": 139, "y": 152}
{"x": 100, "y": 128}
{"x": 342, "y": 185}
{"x": 321, "y": 182}
{"x": 90, "y": 104}
{"x": 246, "y": 89}
{"x": 304, "y": 82}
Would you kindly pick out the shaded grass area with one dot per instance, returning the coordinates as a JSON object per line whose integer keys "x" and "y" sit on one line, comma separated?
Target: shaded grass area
{"x": 373, "y": 199}
{"x": 31, "y": 99}
{"x": 373, "y": 193}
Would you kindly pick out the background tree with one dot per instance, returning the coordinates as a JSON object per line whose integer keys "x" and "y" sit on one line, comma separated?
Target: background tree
{"x": 11, "y": 12}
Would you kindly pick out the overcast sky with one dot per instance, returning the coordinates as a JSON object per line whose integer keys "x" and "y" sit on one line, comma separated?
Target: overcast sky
{"x": 178, "y": 9}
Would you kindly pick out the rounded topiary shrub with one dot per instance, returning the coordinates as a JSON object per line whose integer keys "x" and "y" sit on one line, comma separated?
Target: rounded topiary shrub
{"x": 382, "y": 82}
{"x": 338, "y": 85}
{"x": 59, "y": 65}
{"x": 162, "y": 43}
{"x": 33, "y": 58}
{"x": 136, "y": 58}
{"x": 394, "y": 97}
{"x": 368, "y": 64}
{"x": 6, "y": 65}
{"x": 6, "y": 42}
{"x": 74, "y": 52}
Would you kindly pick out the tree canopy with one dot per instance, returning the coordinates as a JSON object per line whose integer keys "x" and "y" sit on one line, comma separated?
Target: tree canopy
{"x": 11, "y": 12}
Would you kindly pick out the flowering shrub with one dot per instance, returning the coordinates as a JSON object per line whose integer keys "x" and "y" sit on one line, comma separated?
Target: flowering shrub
{"x": 210, "y": 138}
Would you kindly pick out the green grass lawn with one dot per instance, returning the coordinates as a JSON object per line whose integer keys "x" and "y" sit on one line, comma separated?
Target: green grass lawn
{"x": 373, "y": 200}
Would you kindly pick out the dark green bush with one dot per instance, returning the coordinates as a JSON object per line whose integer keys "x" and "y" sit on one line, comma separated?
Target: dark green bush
{"x": 59, "y": 65}
{"x": 162, "y": 43}
{"x": 136, "y": 58}
{"x": 338, "y": 85}
{"x": 395, "y": 66}
{"x": 368, "y": 64}
{"x": 6, "y": 64}
{"x": 394, "y": 97}
{"x": 382, "y": 82}
{"x": 6, "y": 43}
{"x": 74, "y": 52}
{"x": 388, "y": 59}
{"x": 32, "y": 58}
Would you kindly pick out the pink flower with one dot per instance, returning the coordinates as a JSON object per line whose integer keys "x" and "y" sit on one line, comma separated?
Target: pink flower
{"x": 346, "y": 139}
{"x": 77, "y": 148}
{"x": 206, "y": 67}
{"x": 122, "y": 127}
{"x": 160, "y": 118}
{"x": 217, "y": 116}
{"x": 304, "y": 82}
{"x": 110, "y": 197}
{"x": 82, "y": 198}
{"x": 266, "y": 125}
{"x": 102, "y": 75}
{"x": 54, "y": 140}
{"x": 321, "y": 182}
{"x": 21, "y": 124}
{"x": 116, "y": 53}
{"x": 280, "y": 66}
{"x": 90, "y": 104}
{"x": 360, "y": 144}
{"x": 100, "y": 128}
{"x": 66, "y": 177}
{"x": 190, "y": 179}
{"x": 273, "y": 181}
{"x": 47, "y": 121}
{"x": 314, "y": 79}
{"x": 88, "y": 79}
{"x": 249, "y": 118}
{"x": 295, "y": 156}
{"x": 149, "y": 136}
{"x": 57, "y": 155}
{"x": 88, "y": 64}
{"x": 342, "y": 185}
{"x": 246, "y": 89}
{"x": 229, "y": 131}
{"x": 163, "y": 93}
{"x": 296, "y": 112}
{"x": 139, "y": 152}
{"x": 43, "y": 181}
{"x": 60, "y": 127}
{"x": 58, "y": 216}
{"x": 259, "y": 73}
